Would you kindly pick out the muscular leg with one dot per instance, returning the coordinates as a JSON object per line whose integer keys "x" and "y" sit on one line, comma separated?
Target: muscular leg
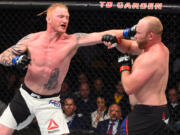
{"x": 5, "y": 130}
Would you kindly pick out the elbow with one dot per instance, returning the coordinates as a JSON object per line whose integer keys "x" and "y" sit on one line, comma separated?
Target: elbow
{"x": 129, "y": 90}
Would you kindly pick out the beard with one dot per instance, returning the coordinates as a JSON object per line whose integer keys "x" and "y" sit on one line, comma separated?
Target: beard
{"x": 142, "y": 43}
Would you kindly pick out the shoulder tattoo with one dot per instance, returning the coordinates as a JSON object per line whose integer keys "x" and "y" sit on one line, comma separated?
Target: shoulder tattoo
{"x": 17, "y": 48}
{"x": 80, "y": 36}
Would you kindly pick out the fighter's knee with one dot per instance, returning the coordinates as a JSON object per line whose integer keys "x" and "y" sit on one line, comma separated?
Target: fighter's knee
{"x": 5, "y": 130}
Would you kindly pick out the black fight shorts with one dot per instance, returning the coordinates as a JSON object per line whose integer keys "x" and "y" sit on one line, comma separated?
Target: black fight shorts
{"x": 146, "y": 120}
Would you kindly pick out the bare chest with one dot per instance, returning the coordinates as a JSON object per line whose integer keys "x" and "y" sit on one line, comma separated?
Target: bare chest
{"x": 42, "y": 54}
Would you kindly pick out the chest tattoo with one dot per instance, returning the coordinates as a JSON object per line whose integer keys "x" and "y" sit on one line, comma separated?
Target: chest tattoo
{"x": 53, "y": 80}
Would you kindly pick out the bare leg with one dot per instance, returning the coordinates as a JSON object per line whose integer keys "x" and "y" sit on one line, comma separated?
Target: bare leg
{"x": 5, "y": 130}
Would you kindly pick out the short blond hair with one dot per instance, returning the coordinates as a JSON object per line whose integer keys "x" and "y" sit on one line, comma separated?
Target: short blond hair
{"x": 52, "y": 7}
{"x": 155, "y": 24}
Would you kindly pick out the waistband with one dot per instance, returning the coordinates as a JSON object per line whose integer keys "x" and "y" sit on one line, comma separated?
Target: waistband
{"x": 36, "y": 95}
{"x": 147, "y": 108}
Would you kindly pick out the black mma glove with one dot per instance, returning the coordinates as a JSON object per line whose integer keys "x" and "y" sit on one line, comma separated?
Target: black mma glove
{"x": 129, "y": 33}
{"x": 111, "y": 38}
{"x": 21, "y": 61}
{"x": 124, "y": 62}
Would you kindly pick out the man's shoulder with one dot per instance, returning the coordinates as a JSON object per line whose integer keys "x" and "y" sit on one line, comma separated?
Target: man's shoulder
{"x": 150, "y": 55}
{"x": 94, "y": 113}
{"x": 159, "y": 53}
{"x": 35, "y": 35}
{"x": 78, "y": 117}
{"x": 159, "y": 48}
{"x": 70, "y": 35}
{"x": 104, "y": 122}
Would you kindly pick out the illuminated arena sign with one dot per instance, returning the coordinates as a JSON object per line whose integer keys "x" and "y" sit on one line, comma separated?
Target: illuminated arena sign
{"x": 129, "y": 5}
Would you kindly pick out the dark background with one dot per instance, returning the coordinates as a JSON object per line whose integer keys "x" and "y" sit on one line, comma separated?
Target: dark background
{"x": 16, "y": 22}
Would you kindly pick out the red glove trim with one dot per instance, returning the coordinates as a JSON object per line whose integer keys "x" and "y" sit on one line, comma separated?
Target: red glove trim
{"x": 125, "y": 67}
{"x": 118, "y": 40}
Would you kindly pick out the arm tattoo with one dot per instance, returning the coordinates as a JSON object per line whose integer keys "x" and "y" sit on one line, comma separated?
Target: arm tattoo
{"x": 6, "y": 59}
{"x": 80, "y": 35}
{"x": 16, "y": 49}
{"x": 7, "y": 56}
{"x": 53, "y": 80}
{"x": 25, "y": 38}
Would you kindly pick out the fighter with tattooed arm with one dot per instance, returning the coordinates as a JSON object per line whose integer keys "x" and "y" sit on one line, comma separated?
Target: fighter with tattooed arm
{"x": 48, "y": 58}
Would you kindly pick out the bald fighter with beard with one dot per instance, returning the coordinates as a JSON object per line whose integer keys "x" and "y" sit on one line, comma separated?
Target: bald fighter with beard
{"x": 145, "y": 81}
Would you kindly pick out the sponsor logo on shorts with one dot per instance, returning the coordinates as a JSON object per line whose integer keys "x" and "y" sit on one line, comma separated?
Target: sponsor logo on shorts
{"x": 164, "y": 119}
{"x": 53, "y": 126}
{"x": 55, "y": 103}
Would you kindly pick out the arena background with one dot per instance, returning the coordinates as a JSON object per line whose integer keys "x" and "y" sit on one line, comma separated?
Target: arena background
{"x": 19, "y": 18}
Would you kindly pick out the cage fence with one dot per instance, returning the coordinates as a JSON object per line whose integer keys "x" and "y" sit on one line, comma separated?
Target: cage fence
{"x": 20, "y": 18}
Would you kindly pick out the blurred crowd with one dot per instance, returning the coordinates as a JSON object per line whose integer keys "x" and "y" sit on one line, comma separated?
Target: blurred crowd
{"x": 89, "y": 106}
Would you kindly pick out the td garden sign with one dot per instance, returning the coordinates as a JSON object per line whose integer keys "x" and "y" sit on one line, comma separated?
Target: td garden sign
{"x": 131, "y": 5}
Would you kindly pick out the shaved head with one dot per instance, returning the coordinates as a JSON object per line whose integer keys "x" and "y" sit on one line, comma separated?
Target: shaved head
{"x": 153, "y": 24}
{"x": 149, "y": 29}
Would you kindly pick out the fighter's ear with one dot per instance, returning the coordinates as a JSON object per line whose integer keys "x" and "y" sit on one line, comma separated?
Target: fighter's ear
{"x": 48, "y": 19}
{"x": 150, "y": 36}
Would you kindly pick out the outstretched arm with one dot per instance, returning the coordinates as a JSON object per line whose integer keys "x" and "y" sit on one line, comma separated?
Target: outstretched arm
{"x": 87, "y": 39}
{"x": 126, "y": 46}
{"x": 121, "y": 41}
{"x": 18, "y": 49}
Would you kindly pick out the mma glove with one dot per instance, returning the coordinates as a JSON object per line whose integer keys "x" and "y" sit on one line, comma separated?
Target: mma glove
{"x": 129, "y": 33}
{"x": 124, "y": 62}
{"x": 21, "y": 61}
{"x": 112, "y": 39}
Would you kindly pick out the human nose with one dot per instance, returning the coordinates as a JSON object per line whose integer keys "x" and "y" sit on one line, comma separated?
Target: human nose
{"x": 113, "y": 112}
{"x": 135, "y": 36}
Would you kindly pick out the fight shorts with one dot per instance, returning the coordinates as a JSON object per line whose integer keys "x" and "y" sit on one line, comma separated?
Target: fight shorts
{"x": 146, "y": 120}
{"x": 26, "y": 105}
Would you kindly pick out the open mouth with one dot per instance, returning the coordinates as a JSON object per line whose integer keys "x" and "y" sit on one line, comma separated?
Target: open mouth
{"x": 63, "y": 26}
